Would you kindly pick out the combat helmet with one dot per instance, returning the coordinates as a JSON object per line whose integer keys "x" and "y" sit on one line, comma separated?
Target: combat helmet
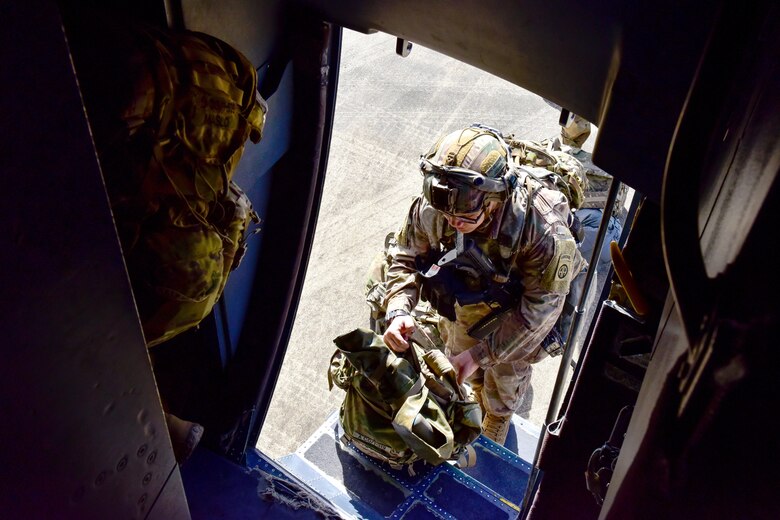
{"x": 466, "y": 168}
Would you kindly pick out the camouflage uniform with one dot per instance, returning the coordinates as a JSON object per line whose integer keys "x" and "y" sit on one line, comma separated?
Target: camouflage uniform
{"x": 534, "y": 246}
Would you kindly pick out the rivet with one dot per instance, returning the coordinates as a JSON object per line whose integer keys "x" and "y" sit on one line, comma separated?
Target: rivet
{"x": 101, "y": 478}
{"x": 151, "y": 458}
{"x": 141, "y": 450}
{"x": 147, "y": 478}
{"x": 122, "y": 464}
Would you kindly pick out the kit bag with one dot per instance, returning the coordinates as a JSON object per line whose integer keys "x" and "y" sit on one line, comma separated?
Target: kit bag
{"x": 182, "y": 220}
{"x": 402, "y": 409}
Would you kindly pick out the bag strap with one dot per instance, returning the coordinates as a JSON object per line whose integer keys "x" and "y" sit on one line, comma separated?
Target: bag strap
{"x": 159, "y": 158}
{"x": 382, "y": 368}
{"x": 412, "y": 355}
{"x": 421, "y": 338}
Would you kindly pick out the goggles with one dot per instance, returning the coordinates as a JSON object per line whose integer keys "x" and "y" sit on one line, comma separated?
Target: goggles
{"x": 464, "y": 218}
{"x": 455, "y": 191}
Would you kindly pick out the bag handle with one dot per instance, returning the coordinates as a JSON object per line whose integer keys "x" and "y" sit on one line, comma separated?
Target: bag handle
{"x": 416, "y": 339}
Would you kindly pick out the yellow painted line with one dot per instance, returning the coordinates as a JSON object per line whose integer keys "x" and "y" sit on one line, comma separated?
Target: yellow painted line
{"x": 510, "y": 504}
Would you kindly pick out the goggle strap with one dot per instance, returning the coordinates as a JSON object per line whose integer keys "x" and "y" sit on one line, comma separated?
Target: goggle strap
{"x": 465, "y": 176}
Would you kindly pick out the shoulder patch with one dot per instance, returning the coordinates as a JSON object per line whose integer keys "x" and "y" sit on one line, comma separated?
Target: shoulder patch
{"x": 557, "y": 277}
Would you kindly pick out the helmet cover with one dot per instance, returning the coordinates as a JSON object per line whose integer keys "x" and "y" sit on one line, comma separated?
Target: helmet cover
{"x": 459, "y": 168}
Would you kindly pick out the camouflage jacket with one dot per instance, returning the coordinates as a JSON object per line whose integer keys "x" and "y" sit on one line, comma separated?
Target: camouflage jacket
{"x": 535, "y": 247}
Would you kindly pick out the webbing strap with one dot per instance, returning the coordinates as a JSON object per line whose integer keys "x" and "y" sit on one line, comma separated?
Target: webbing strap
{"x": 597, "y": 198}
{"x": 415, "y": 389}
{"x": 418, "y": 333}
{"x": 158, "y": 156}
{"x": 467, "y": 458}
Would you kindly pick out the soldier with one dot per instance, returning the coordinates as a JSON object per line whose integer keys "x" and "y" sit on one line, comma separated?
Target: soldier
{"x": 574, "y": 133}
{"x": 489, "y": 247}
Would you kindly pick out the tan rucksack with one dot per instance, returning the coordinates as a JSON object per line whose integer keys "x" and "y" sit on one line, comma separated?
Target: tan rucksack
{"x": 181, "y": 218}
{"x": 566, "y": 173}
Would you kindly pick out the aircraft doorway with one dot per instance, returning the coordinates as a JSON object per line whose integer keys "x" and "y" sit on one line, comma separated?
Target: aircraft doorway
{"x": 389, "y": 110}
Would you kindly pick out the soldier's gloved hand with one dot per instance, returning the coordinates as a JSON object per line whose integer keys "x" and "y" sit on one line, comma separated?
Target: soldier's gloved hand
{"x": 397, "y": 332}
{"x": 464, "y": 364}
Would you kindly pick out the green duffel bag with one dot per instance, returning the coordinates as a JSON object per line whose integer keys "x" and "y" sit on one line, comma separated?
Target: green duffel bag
{"x": 401, "y": 409}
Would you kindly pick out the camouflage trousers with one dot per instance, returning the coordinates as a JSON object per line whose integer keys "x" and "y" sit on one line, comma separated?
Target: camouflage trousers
{"x": 499, "y": 388}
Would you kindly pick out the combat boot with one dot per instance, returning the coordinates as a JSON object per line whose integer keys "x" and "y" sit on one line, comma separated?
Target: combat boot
{"x": 185, "y": 436}
{"x": 478, "y": 396}
{"x": 496, "y": 427}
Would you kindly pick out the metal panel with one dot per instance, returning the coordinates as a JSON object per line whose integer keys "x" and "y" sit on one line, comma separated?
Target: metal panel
{"x": 168, "y": 503}
{"x": 84, "y": 434}
{"x": 605, "y": 61}
{"x": 670, "y": 345}
{"x": 253, "y": 27}
{"x": 254, "y": 175}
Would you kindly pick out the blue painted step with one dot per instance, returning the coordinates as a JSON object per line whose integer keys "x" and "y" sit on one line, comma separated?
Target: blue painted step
{"x": 362, "y": 487}
{"x": 219, "y": 488}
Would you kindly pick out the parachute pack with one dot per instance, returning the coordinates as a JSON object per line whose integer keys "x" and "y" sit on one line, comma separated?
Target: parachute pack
{"x": 566, "y": 172}
{"x": 181, "y": 219}
{"x": 402, "y": 409}
{"x": 599, "y": 183}
{"x": 585, "y": 185}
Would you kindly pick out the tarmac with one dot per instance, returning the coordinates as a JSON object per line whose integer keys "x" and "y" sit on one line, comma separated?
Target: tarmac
{"x": 389, "y": 111}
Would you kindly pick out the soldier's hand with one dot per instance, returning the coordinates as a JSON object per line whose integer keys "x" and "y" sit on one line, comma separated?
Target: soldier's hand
{"x": 464, "y": 364}
{"x": 397, "y": 332}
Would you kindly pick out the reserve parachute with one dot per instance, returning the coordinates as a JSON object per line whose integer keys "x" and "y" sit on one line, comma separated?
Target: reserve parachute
{"x": 182, "y": 220}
